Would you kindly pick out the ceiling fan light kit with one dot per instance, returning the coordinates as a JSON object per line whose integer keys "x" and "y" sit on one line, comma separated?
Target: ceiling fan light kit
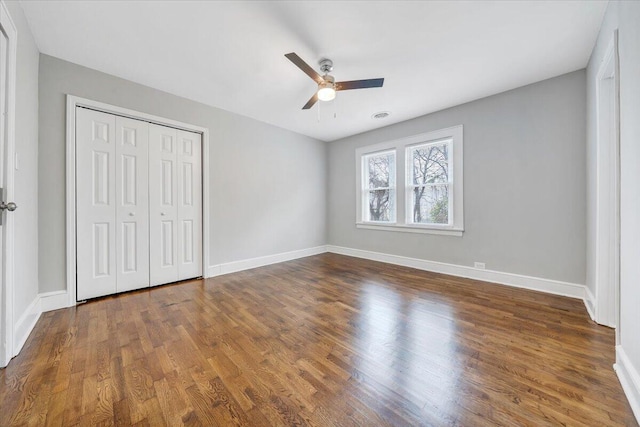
{"x": 327, "y": 86}
{"x": 327, "y": 89}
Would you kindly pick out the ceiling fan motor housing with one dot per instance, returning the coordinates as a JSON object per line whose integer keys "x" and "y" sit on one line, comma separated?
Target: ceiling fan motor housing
{"x": 326, "y": 65}
{"x": 329, "y": 79}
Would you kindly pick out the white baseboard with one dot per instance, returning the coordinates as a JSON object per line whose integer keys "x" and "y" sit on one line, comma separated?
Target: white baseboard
{"x": 25, "y": 325}
{"x": 56, "y": 300}
{"x": 629, "y": 378}
{"x": 590, "y": 303}
{"x": 247, "y": 264}
{"x": 556, "y": 287}
{"x": 60, "y": 299}
{"x": 42, "y": 303}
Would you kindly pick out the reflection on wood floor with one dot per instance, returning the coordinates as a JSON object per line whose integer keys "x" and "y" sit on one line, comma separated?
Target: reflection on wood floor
{"x": 327, "y": 340}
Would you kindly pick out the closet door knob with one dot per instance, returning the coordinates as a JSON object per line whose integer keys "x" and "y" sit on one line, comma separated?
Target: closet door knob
{"x": 162, "y": 214}
{"x": 132, "y": 214}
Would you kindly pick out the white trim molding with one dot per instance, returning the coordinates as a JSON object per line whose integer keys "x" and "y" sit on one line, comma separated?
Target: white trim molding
{"x": 629, "y": 379}
{"x": 50, "y": 301}
{"x": 401, "y": 149}
{"x": 590, "y": 303}
{"x": 72, "y": 103}
{"x": 410, "y": 229}
{"x": 7, "y": 318}
{"x": 25, "y": 325}
{"x": 44, "y": 302}
{"x": 56, "y": 300}
{"x": 247, "y": 264}
{"x": 607, "y": 237}
{"x": 555, "y": 287}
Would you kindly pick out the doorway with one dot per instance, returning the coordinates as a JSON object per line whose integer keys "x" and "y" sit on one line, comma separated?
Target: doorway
{"x": 138, "y": 204}
{"x": 73, "y": 103}
{"x": 608, "y": 189}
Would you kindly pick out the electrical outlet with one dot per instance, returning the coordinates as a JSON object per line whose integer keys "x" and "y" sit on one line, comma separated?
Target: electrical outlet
{"x": 479, "y": 265}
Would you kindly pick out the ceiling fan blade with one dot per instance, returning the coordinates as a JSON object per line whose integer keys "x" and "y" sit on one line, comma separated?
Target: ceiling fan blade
{"x": 304, "y": 67}
{"x": 311, "y": 102}
{"x": 359, "y": 84}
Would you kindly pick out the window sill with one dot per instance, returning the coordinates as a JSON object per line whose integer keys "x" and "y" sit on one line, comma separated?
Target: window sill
{"x": 411, "y": 229}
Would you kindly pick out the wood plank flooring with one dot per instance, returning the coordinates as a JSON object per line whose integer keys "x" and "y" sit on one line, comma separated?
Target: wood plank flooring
{"x": 327, "y": 340}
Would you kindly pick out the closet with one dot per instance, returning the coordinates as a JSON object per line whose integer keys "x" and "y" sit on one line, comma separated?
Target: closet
{"x": 138, "y": 204}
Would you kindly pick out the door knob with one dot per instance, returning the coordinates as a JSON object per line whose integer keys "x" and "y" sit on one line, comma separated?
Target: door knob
{"x": 162, "y": 214}
{"x": 131, "y": 214}
{"x": 8, "y": 206}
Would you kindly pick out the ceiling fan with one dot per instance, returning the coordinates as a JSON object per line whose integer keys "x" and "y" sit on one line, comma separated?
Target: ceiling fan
{"x": 327, "y": 86}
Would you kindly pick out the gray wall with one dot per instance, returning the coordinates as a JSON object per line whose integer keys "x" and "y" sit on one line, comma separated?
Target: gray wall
{"x": 26, "y": 178}
{"x": 625, "y": 16}
{"x": 268, "y": 185}
{"x": 524, "y": 184}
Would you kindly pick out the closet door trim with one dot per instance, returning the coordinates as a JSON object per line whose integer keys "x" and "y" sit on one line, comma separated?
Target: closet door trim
{"x": 67, "y": 298}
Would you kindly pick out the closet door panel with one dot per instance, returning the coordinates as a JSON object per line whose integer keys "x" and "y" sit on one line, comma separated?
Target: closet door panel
{"x": 189, "y": 163}
{"x": 95, "y": 204}
{"x": 132, "y": 209}
{"x": 163, "y": 206}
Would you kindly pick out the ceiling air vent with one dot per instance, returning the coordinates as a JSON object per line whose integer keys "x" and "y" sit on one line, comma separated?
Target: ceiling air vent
{"x": 381, "y": 115}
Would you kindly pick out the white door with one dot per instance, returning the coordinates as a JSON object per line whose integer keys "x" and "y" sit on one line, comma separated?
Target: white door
{"x": 7, "y": 92}
{"x": 189, "y": 205}
{"x": 95, "y": 203}
{"x": 175, "y": 204}
{"x": 163, "y": 207}
{"x": 5, "y": 350}
{"x": 138, "y": 204}
{"x": 132, "y": 204}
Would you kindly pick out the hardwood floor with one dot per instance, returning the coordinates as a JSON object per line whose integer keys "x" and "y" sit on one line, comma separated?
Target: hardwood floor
{"x": 325, "y": 341}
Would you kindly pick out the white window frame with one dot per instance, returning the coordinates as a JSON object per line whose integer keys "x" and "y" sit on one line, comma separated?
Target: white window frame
{"x": 402, "y": 148}
{"x": 392, "y": 189}
{"x": 409, "y": 185}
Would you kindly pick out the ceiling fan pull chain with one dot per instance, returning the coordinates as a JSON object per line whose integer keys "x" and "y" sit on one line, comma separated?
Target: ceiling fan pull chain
{"x": 319, "y": 112}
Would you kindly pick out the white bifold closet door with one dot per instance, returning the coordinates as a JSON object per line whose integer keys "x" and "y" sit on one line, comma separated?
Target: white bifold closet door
{"x": 112, "y": 204}
{"x": 175, "y": 204}
{"x": 132, "y": 204}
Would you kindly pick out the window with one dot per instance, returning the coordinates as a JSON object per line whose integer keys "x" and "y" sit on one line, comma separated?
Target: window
{"x": 429, "y": 183}
{"x": 423, "y": 194}
{"x": 380, "y": 186}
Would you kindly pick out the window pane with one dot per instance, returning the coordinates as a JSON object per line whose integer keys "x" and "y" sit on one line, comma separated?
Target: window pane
{"x": 430, "y": 164}
{"x": 431, "y": 204}
{"x": 381, "y": 170}
{"x": 381, "y": 205}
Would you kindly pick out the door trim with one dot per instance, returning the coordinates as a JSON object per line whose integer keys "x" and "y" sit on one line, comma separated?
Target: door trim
{"x": 607, "y": 240}
{"x": 72, "y": 103}
{"x": 7, "y": 345}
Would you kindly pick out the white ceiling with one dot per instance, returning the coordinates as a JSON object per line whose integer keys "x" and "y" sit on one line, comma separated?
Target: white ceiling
{"x": 230, "y": 55}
